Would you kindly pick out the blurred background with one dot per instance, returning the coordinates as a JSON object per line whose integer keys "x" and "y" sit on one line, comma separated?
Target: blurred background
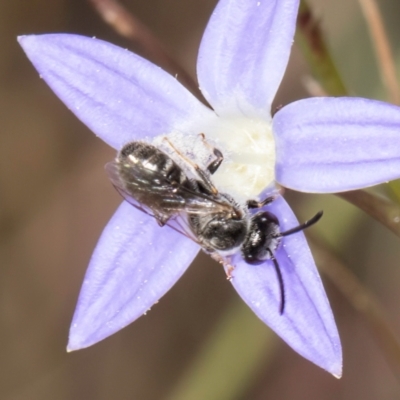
{"x": 201, "y": 341}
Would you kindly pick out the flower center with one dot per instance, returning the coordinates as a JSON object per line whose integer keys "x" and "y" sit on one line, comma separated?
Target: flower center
{"x": 248, "y": 146}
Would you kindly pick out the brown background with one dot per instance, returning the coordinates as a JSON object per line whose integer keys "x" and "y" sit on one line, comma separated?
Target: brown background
{"x": 55, "y": 199}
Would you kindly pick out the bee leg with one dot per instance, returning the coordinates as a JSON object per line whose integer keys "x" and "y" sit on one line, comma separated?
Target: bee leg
{"x": 204, "y": 179}
{"x": 214, "y": 165}
{"x": 228, "y": 267}
{"x": 259, "y": 204}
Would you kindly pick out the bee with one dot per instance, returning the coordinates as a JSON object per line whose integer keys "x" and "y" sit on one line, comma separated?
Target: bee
{"x": 150, "y": 180}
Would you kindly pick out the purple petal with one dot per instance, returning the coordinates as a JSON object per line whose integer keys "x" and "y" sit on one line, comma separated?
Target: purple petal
{"x": 244, "y": 53}
{"x": 336, "y": 144}
{"x": 134, "y": 264}
{"x": 120, "y": 96}
{"x": 307, "y": 323}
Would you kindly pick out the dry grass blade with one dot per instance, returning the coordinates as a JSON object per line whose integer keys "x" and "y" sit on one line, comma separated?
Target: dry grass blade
{"x": 127, "y": 25}
{"x": 382, "y": 48}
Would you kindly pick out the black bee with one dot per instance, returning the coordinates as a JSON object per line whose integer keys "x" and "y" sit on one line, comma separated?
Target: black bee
{"x": 152, "y": 181}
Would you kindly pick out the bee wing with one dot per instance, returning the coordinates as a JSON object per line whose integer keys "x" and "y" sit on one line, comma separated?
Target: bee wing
{"x": 163, "y": 197}
{"x": 123, "y": 188}
{"x": 179, "y": 222}
{"x": 176, "y": 220}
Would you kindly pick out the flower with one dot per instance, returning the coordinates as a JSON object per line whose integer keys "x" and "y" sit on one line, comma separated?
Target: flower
{"x": 314, "y": 145}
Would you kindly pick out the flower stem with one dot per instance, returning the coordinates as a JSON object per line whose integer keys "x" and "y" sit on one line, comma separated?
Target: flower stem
{"x": 395, "y": 189}
{"x": 309, "y": 37}
{"x": 312, "y": 44}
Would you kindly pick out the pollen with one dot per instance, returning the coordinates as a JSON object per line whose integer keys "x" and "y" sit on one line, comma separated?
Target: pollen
{"x": 249, "y": 149}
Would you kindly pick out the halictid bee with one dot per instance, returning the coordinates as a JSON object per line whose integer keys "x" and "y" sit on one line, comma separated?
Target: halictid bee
{"x": 152, "y": 181}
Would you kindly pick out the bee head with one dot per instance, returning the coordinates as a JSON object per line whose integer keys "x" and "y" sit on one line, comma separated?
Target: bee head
{"x": 262, "y": 239}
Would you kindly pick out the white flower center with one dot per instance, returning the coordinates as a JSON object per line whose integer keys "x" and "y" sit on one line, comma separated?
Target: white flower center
{"x": 248, "y": 147}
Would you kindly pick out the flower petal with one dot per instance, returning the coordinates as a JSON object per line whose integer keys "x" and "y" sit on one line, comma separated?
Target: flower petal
{"x": 244, "y": 53}
{"x": 120, "y": 96}
{"x": 307, "y": 323}
{"x": 336, "y": 144}
{"x": 134, "y": 264}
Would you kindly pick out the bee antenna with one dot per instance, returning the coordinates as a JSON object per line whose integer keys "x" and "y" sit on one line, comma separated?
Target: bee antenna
{"x": 299, "y": 228}
{"x": 303, "y": 226}
{"x": 280, "y": 280}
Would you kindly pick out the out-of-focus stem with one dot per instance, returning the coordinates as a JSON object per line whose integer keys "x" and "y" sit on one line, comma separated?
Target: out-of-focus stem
{"x": 382, "y": 209}
{"x": 311, "y": 41}
{"x": 224, "y": 369}
{"x": 382, "y": 48}
{"x": 310, "y": 38}
{"x": 385, "y": 61}
{"x": 127, "y": 25}
{"x": 395, "y": 189}
{"x": 362, "y": 300}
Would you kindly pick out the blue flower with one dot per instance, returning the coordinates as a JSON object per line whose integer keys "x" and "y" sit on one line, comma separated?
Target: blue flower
{"x": 317, "y": 145}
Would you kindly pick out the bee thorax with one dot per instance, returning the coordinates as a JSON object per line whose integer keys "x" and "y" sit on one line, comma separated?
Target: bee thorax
{"x": 219, "y": 231}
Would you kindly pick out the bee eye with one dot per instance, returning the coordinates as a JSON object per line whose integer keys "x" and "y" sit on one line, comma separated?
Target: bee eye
{"x": 251, "y": 258}
{"x": 265, "y": 218}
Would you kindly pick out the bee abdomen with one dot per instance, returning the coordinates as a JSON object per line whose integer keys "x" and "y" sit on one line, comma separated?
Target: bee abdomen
{"x": 153, "y": 159}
